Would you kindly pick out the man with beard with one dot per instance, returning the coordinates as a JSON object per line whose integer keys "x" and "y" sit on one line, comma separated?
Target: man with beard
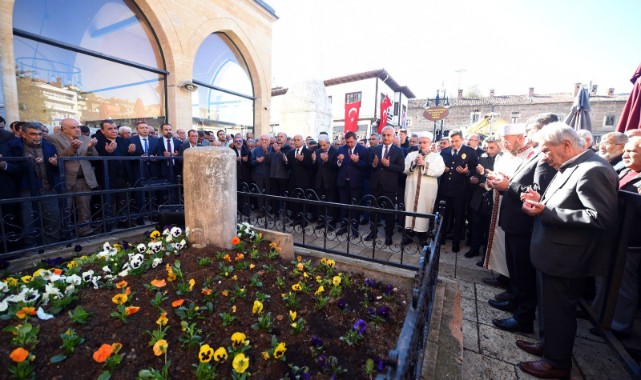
{"x": 611, "y": 149}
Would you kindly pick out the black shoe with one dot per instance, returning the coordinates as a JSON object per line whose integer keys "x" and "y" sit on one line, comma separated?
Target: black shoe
{"x": 355, "y": 234}
{"x": 508, "y": 306}
{"x": 388, "y": 241}
{"x": 512, "y": 325}
{"x": 341, "y": 231}
{"x": 480, "y": 263}
{"x": 494, "y": 281}
{"x": 371, "y": 236}
{"x": 407, "y": 240}
{"x": 471, "y": 253}
{"x": 455, "y": 247}
{"x": 617, "y": 334}
{"x": 505, "y": 296}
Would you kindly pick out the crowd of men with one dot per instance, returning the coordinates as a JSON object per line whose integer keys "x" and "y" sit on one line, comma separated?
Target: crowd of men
{"x": 537, "y": 201}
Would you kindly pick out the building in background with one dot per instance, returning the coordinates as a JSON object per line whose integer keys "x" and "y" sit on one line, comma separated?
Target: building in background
{"x": 205, "y": 64}
{"x": 369, "y": 88}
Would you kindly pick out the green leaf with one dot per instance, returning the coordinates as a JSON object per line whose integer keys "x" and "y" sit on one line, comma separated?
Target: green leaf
{"x": 58, "y": 358}
{"x": 106, "y": 375}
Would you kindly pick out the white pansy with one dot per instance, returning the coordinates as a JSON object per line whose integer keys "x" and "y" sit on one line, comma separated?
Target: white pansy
{"x": 109, "y": 276}
{"x": 141, "y": 248}
{"x": 4, "y": 305}
{"x": 51, "y": 290}
{"x": 15, "y": 298}
{"x": 74, "y": 279}
{"x": 42, "y": 315}
{"x": 106, "y": 246}
{"x": 169, "y": 239}
{"x": 86, "y": 276}
{"x": 30, "y": 295}
{"x": 176, "y": 231}
{"x": 155, "y": 246}
{"x": 46, "y": 274}
{"x": 124, "y": 273}
{"x": 136, "y": 260}
{"x": 165, "y": 231}
{"x": 157, "y": 261}
{"x": 94, "y": 281}
{"x": 106, "y": 269}
{"x": 180, "y": 245}
{"x": 69, "y": 290}
{"x": 4, "y": 287}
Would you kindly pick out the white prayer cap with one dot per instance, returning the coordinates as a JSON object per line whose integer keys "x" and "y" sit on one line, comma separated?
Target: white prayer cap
{"x": 513, "y": 129}
{"x": 429, "y": 135}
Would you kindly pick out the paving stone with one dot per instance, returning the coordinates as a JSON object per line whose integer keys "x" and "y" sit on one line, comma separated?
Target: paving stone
{"x": 469, "y": 309}
{"x": 485, "y": 292}
{"x": 471, "y": 336}
{"x": 467, "y": 289}
{"x": 477, "y": 366}
{"x": 501, "y": 345}
{"x": 597, "y": 361}
{"x": 469, "y": 274}
{"x": 486, "y": 313}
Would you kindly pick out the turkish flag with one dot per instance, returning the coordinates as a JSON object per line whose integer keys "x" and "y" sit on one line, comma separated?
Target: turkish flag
{"x": 351, "y": 116}
{"x": 385, "y": 105}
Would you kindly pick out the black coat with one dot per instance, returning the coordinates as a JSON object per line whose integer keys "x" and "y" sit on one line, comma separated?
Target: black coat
{"x": 387, "y": 177}
{"x": 301, "y": 176}
{"x": 326, "y": 172}
{"x": 452, "y": 182}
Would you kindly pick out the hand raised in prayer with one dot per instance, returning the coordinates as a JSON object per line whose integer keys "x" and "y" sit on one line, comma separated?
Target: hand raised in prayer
{"x": 324, "y": 156}
{"x": 532, "y": 208}
{"x": 92, "y": 143}
{"x": 530, "y": 195}
{"x": 462, "y": 170}
{"x": 53, "y": 160}
{"x": 474, "y": 180}
{"x": 375, "y": 161}
{"x": 75, "y": 144}
{"x": 340, "y": 157}
{"x": 385, "y": 161}
{"x": 314, "y": 156}
{"x": 480, "y": 169}
{"x": 131, "y": 148}
{"x": 354, "y": 157}
{"x": 420, "y": 160}
{"x": 300, "y": 156}
{"x": 111, "y": 146}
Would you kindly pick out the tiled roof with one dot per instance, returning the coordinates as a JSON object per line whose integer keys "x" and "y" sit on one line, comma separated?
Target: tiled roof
{"x": 381, "y": 74}
{"x": 519, "y": 100}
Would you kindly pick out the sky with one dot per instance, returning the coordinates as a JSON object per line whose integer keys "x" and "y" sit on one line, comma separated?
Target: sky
{"x": 505, "y": 45}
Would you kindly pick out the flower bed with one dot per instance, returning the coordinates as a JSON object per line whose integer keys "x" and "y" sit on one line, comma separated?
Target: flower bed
{"x": 160, "y": 310}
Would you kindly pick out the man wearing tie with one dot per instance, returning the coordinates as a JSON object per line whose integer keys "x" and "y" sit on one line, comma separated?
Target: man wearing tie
{"x": 143, "y": 146}
{"x": 169, "y": 169}
{"x": 387, "y": 164}
{"x": 324, "y": 159}
{"x": 459, "y": 160}
{"x": 353, "y": 161}
{"x": 299, "y": 161}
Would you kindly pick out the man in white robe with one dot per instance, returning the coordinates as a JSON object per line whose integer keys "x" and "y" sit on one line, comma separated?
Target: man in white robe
{"x": 422, "y": 168}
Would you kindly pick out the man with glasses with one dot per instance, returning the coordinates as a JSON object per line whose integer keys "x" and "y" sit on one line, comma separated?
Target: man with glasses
{"x": 79, "y": 174}
{"x": 611, "y": 149}
{"x": 259, "y": 162}
{"x": 243, "y": 172}
{"x": 37, "y": 175}
{"x": 353, "y": 162}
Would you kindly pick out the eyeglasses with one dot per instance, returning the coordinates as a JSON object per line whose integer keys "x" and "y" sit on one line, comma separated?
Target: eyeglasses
{"x": 238, "y": 140}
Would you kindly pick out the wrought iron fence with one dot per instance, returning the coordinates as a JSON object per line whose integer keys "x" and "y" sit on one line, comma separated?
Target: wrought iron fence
{"x": 35, "y": 220}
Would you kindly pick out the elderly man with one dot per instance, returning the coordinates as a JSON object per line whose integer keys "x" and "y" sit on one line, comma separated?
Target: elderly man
{"x": 259, "y": 161}
{"x": 299, "y": 161}
{"x": 627, "y": 299}
{"x": 278, "y": 170}
{"x": 36, "y": 175}
{"x": 192, "y": 142}
{"x": 573, "y": 223}
{"x": 79, "y": 175}
{"x": 587, "y": 138}
{"x": 422, "y": 168}
{"x": 611, "y": 149}
{"x": 324, "y": 159}
{"x": 124, "y": 132}
{"x": 182, "y": 135}
{"x": 243, "y": 172}
{"x": 353, "y": 161}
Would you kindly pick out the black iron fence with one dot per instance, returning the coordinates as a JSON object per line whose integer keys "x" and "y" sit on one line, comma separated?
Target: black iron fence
{"x": 34, "y": 220}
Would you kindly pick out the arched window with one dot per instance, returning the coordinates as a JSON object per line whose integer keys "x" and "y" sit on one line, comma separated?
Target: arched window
{"x": 88, "y": 60}
{"x": 225, "y": 95}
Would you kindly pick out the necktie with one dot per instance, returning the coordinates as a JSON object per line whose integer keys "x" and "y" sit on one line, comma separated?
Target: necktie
{"x": 454, "y": 152}
{"x": 385, "y": 154}
{"x": 168, "y": 145}
{"x": 350, "y": 153}
{"x": 297, "y": 152}
{"x": 146, "y": 146}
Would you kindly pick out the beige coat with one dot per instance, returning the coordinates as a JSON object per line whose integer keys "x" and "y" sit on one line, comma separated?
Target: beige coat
{"x": 63, "y": 147}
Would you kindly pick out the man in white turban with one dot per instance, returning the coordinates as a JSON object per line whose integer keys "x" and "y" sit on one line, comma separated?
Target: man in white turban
{"x": 422, "y": 168}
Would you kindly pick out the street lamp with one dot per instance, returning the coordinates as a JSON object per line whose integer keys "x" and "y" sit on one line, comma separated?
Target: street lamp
{"x": 436, "y": 102}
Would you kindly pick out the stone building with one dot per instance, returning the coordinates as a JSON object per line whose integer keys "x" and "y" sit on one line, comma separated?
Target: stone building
{"x": 605, "y": 109}
{"x": 202, "y": 64}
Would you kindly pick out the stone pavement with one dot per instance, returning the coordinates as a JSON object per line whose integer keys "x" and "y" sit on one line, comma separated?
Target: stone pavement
{"x": 488, "y": 352}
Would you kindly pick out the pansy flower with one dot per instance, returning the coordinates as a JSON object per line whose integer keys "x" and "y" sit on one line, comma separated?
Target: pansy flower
{"x": 292, "y": 315}
{"x": 154, "y": 234}
{"x": 103, "y": 353}
{"x": 119, "y": 299}
{"x": 238, "y": 338}
{"x": 158, "y": 283}
{"x": 317, "y": 342}
{"x": 192, "y": 282}
{"x": 176, "y": 231}
{"x": 342, "y": 304}
{"x": 280, "y": 350}
{"x": 235, "y": 240}
{"x": 130, "y": 310}
{"x": 177, "y": 303}
{"x": 257, "y": 308}
{"x": 162, "y": 320}
{"x": 336, "y": 280}
{"x": 19, "y": 355}
{"x": 296, "y": 287}
{"x": 220, "y": 355}
{"x": 240, "y": 363}
{"x": 205, "y": 354}
{"x": 26, "y": 311}
{"x": 360, "y": 326}
{"x": 121, "y": 284}
{"x": 160, "y": 347}
{"x": 320, "y": 290}
{"x": 206, "y": 291}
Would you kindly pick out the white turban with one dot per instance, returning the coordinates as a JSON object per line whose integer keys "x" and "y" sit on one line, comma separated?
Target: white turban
{"x": 513, "y": 129}
{"x": 429, "y": 135}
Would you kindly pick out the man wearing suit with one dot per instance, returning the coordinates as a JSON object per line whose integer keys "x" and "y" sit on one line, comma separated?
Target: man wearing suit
{"x": 573, "y": 225}
{"x": 192, "y": 142}
{"x": 79, "y": 174}
{"x": 278, "y": 170}
{"x": 459, "y": 161}
{"x": 611, "y": 149}
{"x": 144, "y": 146}
{"x": 37, "y": 175}
{"x": 109, "y": 144}
{"x": 388, "y": 163}
{"x": 628, "y": 296}
{"x": 168, "y": 146}
{"x": 299, "y": 161}
{"x": 243, "y": 172}
{"x": 353, "y": 161}
{"x": 324, "y": 159}
{"x": 259, "y": 162}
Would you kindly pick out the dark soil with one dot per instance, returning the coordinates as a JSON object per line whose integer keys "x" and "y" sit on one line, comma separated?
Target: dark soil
{"x": 328, "y": 323}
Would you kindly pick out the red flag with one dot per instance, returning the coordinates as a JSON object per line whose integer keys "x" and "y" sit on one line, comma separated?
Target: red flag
{"x": 351, "y": 116}
{"x": 385, "y": 105}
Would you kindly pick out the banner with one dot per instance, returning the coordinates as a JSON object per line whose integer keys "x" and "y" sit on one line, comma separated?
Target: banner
{"x": 385, "y": 105}
{"x": 351, "y": 116}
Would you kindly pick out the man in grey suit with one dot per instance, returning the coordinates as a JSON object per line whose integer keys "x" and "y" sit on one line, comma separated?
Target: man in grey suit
{"x": 79, "y": 174}
{"x": 574, "y": 222}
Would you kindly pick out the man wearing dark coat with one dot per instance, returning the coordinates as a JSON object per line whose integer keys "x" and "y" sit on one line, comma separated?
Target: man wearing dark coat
{"x": 324, "y": 159}
{"x": 299, "y": 162}
{"x": 353, "y": 162}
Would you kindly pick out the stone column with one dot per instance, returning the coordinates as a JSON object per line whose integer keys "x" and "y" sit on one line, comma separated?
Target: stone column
{"x": 209, "y": 178}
